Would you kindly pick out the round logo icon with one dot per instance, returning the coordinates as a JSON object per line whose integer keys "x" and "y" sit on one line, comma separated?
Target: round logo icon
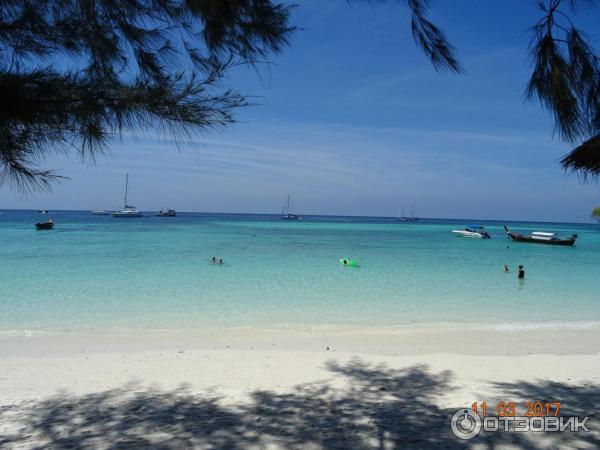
{"x": 465, "y": 424}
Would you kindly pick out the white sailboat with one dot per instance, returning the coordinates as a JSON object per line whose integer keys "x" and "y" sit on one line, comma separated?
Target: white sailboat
{"x": 411, "y": 218}
{"x": 128, "y": 211}
{"x": 285, "y": 212}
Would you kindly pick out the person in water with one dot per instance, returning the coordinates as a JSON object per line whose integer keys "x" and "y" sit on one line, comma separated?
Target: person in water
{"x": 220, "y": 261}
{"x": 345, "y": 261}
{"x": 506, "y": 269}
{"x": 521, "y": 273}
{"x": 213, "y": 260}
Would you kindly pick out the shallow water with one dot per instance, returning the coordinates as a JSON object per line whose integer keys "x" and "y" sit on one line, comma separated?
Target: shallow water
{"x": 100, "y": 273}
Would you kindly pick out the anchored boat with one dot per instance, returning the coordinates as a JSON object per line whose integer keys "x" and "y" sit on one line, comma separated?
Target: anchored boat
{"x": 128, "y": 211}
{"x": 473, "y": 231}
{"x": 48, "y": 225}
{"x": 167, "y": 213}
{"x": 285, "y": 212}
{"x": 541, "y": 237}
{"x": 411, "y": 218}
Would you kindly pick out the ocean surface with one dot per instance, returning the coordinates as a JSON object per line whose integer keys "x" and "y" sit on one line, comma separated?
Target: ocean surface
{"x": 101, "y": 273}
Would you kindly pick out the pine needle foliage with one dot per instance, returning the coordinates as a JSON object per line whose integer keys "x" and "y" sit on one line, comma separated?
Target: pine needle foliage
{"x": 74, "y": 73}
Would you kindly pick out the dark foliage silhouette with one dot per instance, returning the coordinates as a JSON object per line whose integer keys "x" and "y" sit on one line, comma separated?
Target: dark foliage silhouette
{"x": 74, "y": 72}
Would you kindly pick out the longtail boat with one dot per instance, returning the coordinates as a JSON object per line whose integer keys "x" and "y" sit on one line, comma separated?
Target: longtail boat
{"x": 540, "y": 237}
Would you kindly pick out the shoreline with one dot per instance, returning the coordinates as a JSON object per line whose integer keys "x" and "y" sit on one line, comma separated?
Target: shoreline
{"x": 558, "y": 338}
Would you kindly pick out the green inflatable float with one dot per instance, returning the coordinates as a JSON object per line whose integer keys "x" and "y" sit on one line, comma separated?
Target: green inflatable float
{"x": 348, "y": 262}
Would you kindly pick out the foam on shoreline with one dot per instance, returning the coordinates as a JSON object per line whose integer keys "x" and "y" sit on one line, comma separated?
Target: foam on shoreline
{"x": 415, "y": 339}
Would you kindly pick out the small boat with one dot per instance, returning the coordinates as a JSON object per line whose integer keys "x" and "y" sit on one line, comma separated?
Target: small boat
{"x": 285, "y": 212}
{"x": 167, "y": 213}
{"x": 411, "y": 218}
{"x": 473, "y": 231}
{"x": 402, "y": 217}
{"x": 541, "y": 237}
{"x": 43, "y": 211}
{"x": 100, "y": 212}
{"x": 48, "y": 225}
{"x": 128, "y": 211}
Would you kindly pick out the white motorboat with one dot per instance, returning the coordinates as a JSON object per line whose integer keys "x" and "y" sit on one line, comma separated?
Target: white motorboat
{"x": 473, "y": 231}
{"x": 167, "y": 213}
{"x": 100, "y": 212}
{"x": 128, "y": 211}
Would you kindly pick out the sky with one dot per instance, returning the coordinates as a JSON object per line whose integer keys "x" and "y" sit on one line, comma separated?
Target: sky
{"x": 352, "y": 119}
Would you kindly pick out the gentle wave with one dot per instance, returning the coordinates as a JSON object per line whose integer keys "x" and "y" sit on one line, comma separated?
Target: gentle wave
{"x": 311, "y": 328}
{"x": 563, "y": 325}
{"x": 7, "y": 334}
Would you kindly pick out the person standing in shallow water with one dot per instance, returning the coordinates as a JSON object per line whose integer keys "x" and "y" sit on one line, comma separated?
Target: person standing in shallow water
{"x": 521, "y": 273}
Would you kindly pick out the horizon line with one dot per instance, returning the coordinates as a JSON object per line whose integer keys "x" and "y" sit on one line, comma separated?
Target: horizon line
{"x": 330, "y": 215}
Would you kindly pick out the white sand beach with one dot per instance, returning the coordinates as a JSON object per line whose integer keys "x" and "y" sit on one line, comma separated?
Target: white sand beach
{"x": 291, "y": 387}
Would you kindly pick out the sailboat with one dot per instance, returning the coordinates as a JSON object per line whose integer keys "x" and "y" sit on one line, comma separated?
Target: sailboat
{"x": 285, "y": 212}
{"x": 411, "y": 218}
{"x": 402, "y": 217}
{"x": 128, "y": 210}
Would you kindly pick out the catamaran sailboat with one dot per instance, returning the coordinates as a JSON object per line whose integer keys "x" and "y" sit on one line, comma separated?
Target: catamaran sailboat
{"x": 285, "y": 212}
{"x": 128, "y": 210}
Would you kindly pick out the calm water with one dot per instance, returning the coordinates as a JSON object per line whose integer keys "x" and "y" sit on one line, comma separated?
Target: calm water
{"x": 97, "y": 272}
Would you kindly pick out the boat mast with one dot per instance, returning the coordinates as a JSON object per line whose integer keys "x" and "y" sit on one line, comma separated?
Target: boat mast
{"x": 286, "y": 206}
{"x": 126, "y": 185}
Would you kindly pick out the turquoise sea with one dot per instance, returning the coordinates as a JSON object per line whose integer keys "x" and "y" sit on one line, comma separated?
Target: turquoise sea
{"x": 101, "y": 273}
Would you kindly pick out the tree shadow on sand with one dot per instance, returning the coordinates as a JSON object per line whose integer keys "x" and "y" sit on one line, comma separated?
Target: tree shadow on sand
{"x": 381, "y": 408}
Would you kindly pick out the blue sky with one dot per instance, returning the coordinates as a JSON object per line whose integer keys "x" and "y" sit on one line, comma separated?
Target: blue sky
{"x": 352, "y": 119}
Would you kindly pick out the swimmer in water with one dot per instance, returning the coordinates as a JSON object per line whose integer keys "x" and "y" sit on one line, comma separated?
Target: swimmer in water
{"x": 506, "y": 269}
{"x": 213, "y": 260}
{"x": 220, "y": 261}
{"x": 521, "y": 273}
